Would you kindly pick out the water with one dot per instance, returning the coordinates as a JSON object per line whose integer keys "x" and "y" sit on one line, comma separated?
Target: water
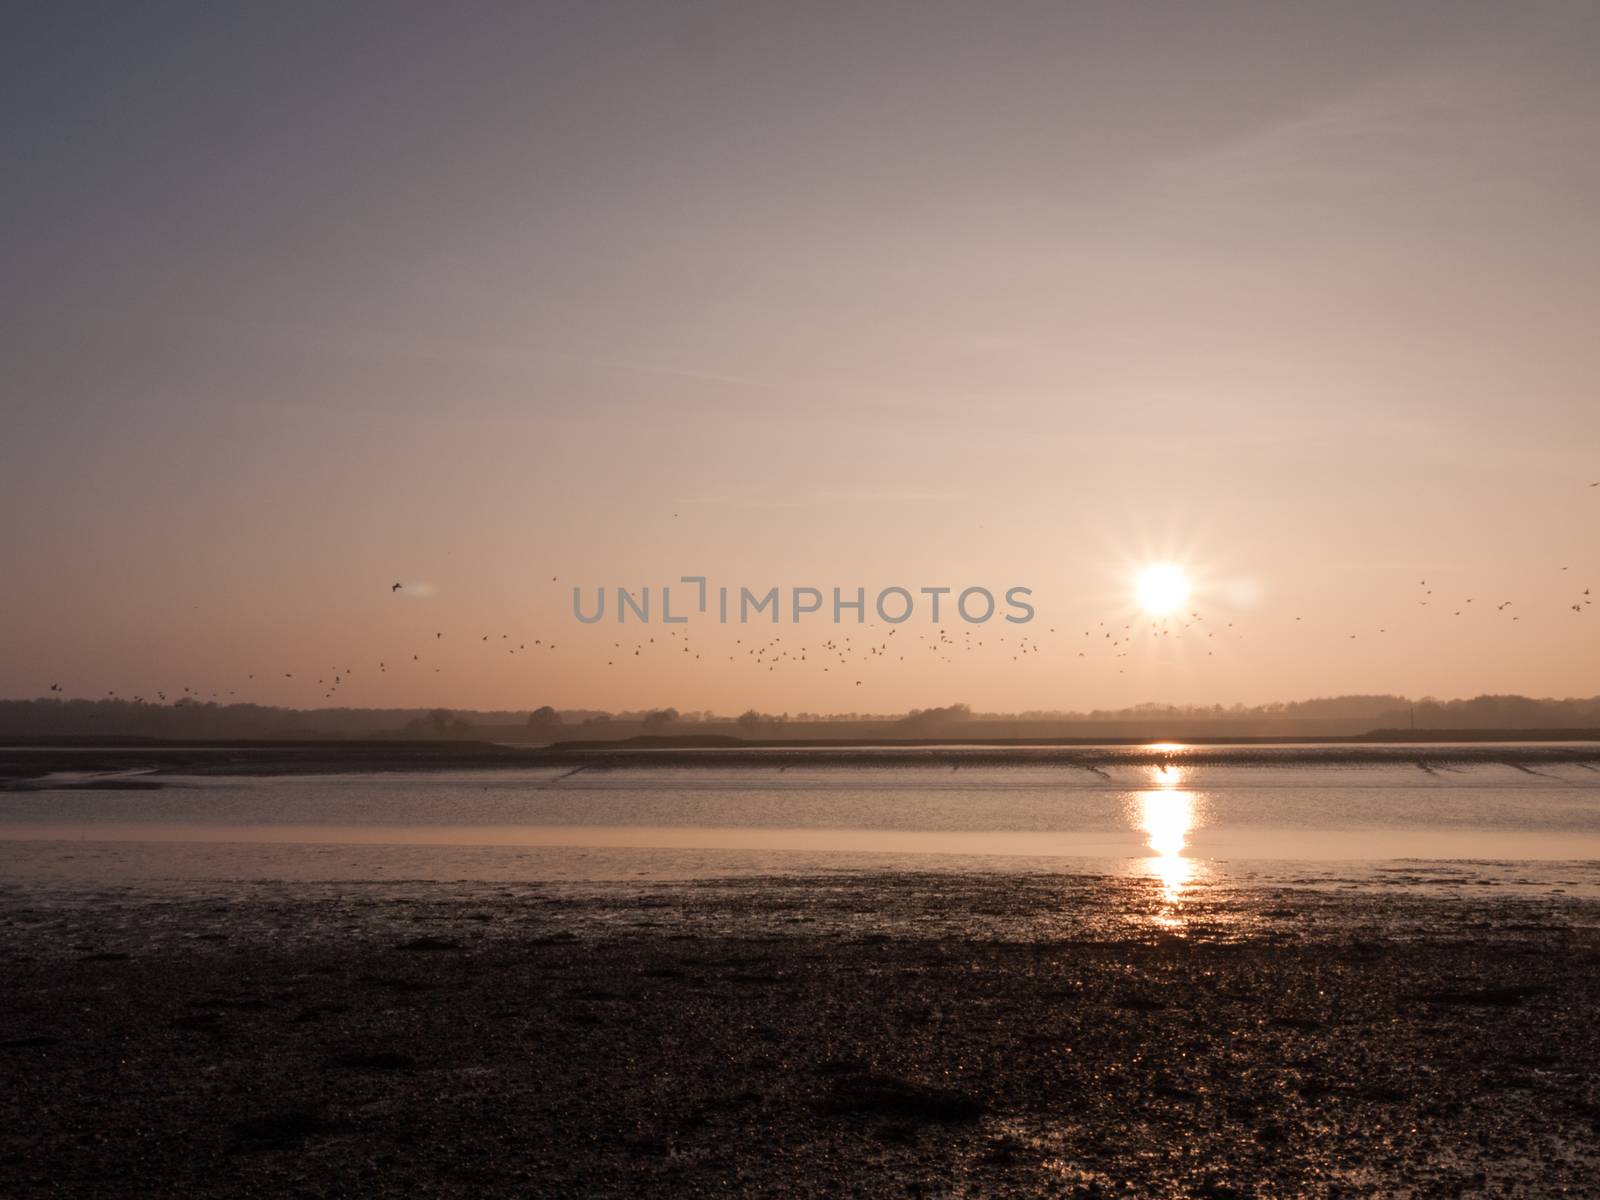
{"x": 1483, "y": 824}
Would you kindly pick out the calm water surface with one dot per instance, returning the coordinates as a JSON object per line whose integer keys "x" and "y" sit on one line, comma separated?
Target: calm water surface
{"x": 1480, "y": 825}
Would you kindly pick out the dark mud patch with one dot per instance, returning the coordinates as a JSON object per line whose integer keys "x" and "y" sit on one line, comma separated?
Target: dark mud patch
{"x": 281, "y": 1130}
{"x": 889, "y": 1097}
{"x": 378, "y": 1061}
{"x": 429, "y": 945}
{"x": 1487, "y": 997}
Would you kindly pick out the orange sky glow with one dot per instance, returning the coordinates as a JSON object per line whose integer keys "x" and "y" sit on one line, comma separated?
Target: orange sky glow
{"x": 1301, "y": 301}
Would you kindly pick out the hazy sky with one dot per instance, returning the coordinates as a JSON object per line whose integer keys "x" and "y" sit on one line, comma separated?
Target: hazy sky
{"x": 296, "y": 303}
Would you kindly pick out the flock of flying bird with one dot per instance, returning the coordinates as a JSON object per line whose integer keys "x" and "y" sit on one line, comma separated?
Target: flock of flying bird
{"x": 849, "y": 656}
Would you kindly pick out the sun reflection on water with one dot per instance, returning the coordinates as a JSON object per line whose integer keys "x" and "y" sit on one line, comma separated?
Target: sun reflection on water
{"x": 1166, "y": 813}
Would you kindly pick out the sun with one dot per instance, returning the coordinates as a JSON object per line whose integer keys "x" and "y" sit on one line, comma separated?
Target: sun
{"x": 1162, "y": 588}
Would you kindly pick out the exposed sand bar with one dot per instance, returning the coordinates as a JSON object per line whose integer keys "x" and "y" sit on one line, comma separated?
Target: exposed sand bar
{"x": 20, "y": 764}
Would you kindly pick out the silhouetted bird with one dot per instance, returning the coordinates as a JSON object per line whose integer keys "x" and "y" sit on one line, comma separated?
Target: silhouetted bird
{"x": 394, "y": 587}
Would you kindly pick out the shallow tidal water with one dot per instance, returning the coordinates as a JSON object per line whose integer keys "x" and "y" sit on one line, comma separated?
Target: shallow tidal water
{"x": 1181, "y": 825}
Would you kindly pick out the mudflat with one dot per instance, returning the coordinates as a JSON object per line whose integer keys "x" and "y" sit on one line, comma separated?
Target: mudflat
{"x": 915, "y": 1034}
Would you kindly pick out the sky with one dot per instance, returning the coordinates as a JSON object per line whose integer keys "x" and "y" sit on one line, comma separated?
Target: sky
{"x": 300, "y": 301}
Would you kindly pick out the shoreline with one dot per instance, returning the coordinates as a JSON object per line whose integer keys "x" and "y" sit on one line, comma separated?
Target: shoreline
{"x": 23, "y": 762}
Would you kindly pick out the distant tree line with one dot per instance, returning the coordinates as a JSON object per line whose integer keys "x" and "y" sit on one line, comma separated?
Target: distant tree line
{"x": 189, "y": 718}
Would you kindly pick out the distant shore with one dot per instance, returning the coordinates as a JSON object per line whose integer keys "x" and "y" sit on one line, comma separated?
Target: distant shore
{"x": 109, "y": 762}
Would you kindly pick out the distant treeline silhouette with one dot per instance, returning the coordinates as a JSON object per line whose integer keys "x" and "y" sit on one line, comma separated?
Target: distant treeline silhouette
{"x": 1326, "y": 716}
{"x": 1391, "y": 712}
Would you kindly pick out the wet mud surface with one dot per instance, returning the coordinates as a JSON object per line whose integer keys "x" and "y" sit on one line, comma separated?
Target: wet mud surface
{"x": 872, "y": 1035}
